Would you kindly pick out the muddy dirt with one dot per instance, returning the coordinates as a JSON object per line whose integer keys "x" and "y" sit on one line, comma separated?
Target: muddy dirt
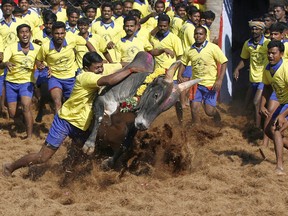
{"x": 202, "y": 169}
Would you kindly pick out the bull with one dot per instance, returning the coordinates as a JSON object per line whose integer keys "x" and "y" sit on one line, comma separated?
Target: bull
{"x": 159, "y": 96}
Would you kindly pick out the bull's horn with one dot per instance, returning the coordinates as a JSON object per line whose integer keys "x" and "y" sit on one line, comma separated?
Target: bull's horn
{"x": 188, "y": 84}
{"x": 171, "y": 71}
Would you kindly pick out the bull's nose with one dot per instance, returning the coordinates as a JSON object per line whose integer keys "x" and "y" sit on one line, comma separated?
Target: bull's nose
{"x": 140, "y": 126}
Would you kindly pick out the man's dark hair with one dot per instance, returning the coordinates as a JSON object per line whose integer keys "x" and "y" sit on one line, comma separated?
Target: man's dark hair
{"x": 209, "y": 15}
{"x": 180, "y": 5}
{"x": 8, "y": 2}
{"x": 267, "y": 15}
{"x": 17, "y": 10}
{"x": 49, "y": 16}
{"x": 91, "y": 57}
{"x": 159, "y": 2}
{"x": 58, "y": 25}
{"x": 135, "y": 13}
{"x": 282, "y": 6}
{"x": 83, "y": 21}
{"x": 278, "y": 44}
{"x": 90, "y": 6}
{"x": 277, "y": 27}
{"x": 22, "y": 26}
{"x": 70, "y": 10}
{"x": 107, "y": 4}
{"x": 192, "y": 10}
{"x": 163, "y": 17}
{"x": 129, "y": 18}
{"x": 117, "y": 3}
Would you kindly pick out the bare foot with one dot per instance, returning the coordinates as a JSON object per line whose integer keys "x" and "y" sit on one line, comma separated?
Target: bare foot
{"x": 279, "y": 171}
{"x": 5, "y": 170}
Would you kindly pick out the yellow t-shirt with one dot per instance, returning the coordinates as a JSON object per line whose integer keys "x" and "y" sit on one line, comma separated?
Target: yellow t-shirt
{"x": 77, "y": 110}
{"x": 171, "y": 42}
{"x": 33, "y": 20}
{"x": 151, "y": 23}
{"x": 142, "y": 7}
{"x": 176, "y": 25}
{"x": 143, "y": 33}
{"x": 97, "y": 42}
{"x": 204, "y": 62}
{"x": 42, "y": 36}
{"x": 61, "y": 15}
{"x": 186, "y": 34}
{"x": 8, "y": 31}
{"x": 62, "y": 63}
{"x": 279, "y": 81}
{"x": 258, "y": 58}
{"x": 23, "y": 70}
{"x": 111, "y": 32}
{"x": 285, "y": 56}
{"x": 127, "y": 50}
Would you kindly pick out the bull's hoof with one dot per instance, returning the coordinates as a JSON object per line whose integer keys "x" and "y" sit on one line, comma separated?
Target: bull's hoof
{"x": 107, "y": 164}
{"x": 38, "y": 119}
{"x": 88, "y": 148}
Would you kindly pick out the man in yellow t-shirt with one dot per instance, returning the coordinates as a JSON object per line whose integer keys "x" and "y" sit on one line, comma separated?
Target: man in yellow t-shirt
{"x": 8, "y": 35}
{"x": 254, "y": 51}
{"x": 73, "y": 15}
{"x": 204, "y": 57}
{"x": 150, "y": 21}
{"x": 60, "y": 12}
{"x": 75, "y": 116}
{"x": 19, "y": 59}
{"x": 108, "y": 29}
{"x": 275, "y": 78}
{"x": 178, "y": 20}
{"x": 59, "y": 55}
{"x": 166, "y": 41}
{"x": 98, "y": 42}
{"x": 30, "y": 17}
{"x": 128, "y": 46}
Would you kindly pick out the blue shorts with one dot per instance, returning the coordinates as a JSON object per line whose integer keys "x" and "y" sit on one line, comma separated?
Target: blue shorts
{"x": 188, "y": 72}
{"x": 14, "y": 91}
{"x": 41, "y": 76}
{"x": 66, "y": 85}
{"x": 256, "y": 87}
{"x": 280, "y": 110}
{"x": 1, "y": 84}
{"x": 60, "y": 129}
{"x": 203, "y": 94}
{"x": 273, "y": 96}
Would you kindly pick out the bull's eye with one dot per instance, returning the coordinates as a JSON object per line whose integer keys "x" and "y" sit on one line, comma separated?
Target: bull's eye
{"x": 156, "y": 95}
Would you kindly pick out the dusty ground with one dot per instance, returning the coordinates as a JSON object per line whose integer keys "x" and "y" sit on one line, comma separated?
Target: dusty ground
{"x": 200, "y": 170}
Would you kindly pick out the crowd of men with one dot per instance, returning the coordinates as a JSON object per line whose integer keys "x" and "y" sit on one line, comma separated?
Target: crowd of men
{"x": 75, "y": 50}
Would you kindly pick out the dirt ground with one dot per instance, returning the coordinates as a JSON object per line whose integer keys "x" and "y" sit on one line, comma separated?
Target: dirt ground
{"x": 189, "y": 170}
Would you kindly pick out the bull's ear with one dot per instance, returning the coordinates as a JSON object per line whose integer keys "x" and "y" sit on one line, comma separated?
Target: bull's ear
{"x": 188, "y": 84}
{"x": 171, "y": 71}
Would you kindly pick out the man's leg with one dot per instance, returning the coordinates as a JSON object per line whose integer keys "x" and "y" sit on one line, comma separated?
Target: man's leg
{"x": 56, "y": 94}
{"x": 195, "y": 108}
{"x": 272, "y": 106}
{"x": 278, "y": 145}
{"x": 26, "y": 108}
{"x": 42, "y": 156}
{"x": 256, "y": 102}
{"x": 212, "y": 112}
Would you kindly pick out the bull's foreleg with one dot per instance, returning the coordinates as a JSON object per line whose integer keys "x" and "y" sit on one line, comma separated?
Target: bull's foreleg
{"x": 124, "y": 148}
{"x": 89, "y": 146}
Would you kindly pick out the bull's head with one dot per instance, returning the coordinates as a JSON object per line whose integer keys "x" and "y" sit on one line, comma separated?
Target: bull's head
{"x": 159, "y": 96}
